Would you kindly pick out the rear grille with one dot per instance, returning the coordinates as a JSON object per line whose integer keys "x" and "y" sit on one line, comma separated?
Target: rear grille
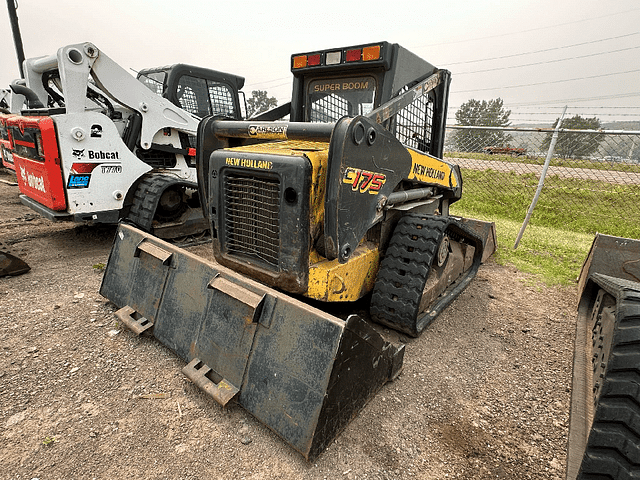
{"x": 252, "y": 213}
{"x": 27, "y": 143}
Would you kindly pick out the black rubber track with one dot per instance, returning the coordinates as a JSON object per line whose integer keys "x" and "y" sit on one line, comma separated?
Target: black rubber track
{"x": 404, "y": 269}
{"x": 612, "y": 450}
{"x": 147, "y": 196}
{"x": 403, "y": 272}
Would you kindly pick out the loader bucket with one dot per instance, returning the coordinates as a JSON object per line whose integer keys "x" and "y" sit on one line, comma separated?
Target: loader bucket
{"x": 603, "y": 435}
{"x": 302, "y": 372}
{"x": 614, "y": 256}
{"x": 11, "y": 265}
{"x": 487, "y": 233}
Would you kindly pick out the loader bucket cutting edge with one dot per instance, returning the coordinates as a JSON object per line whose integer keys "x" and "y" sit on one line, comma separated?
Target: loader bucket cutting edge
{"x": 302, "y": 372}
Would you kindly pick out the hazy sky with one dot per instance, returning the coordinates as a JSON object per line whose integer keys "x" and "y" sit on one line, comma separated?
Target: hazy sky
{"x": 536, "y": 55}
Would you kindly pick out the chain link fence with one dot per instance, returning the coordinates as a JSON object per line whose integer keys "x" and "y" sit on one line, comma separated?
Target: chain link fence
{"x": 592, "y": 182}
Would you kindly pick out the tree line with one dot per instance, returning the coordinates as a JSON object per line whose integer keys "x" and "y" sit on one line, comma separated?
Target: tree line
{"x": 492, "y": 113}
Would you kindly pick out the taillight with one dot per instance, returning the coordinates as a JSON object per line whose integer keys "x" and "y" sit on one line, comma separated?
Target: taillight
{"x": 353, "y": 55}
{"x": 39, "y": 146}
{"x": 337, "y": 57}
{"x": 300, "y": 61}
{"x": 371, "y": 53}
{"x": 313, "y": 60}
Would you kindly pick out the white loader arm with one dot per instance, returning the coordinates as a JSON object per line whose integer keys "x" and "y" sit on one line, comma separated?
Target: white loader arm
{"x": 76, "y": 62}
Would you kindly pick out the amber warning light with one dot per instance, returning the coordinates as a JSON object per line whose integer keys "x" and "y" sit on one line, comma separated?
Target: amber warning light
{"x": 365, "y": 54}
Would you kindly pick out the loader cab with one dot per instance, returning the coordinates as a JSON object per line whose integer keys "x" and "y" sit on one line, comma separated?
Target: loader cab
{"x": 199, "y": 91}
{"x": 333, "y": 83}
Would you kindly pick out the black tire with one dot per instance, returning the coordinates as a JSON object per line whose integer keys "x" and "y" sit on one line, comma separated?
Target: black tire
{"x": 604, "y": 431}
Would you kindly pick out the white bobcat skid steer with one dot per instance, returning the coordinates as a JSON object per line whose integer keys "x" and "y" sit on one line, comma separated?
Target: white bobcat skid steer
{"x": 94, "y": 144}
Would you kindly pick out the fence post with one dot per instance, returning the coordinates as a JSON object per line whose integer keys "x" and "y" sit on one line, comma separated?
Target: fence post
{"x": 552, "y": 146}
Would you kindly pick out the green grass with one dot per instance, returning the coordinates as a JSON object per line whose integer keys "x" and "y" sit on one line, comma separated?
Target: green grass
{"x": 562, "y": 227}
{"x": 583, "y": 206}
{"x": 554, "y": 256}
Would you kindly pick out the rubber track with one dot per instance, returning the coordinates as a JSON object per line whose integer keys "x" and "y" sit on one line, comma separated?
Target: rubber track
{"x": 613, "y": 447}
{"x": 147, "y": 196}
{"x": 404, "y": 269}
{"x": 145, "y": 201}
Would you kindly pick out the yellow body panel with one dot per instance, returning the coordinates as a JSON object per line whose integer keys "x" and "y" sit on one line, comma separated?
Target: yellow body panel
{"x": 288, "y": 147}
{"x": 428, "y": 169}
{"x": 329, "y": 280}
{"x": 332, "y": 281}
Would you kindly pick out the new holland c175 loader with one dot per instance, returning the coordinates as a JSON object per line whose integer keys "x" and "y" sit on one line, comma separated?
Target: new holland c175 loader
{"x": 90, "y": 143}
{"x": 343, "y": 206}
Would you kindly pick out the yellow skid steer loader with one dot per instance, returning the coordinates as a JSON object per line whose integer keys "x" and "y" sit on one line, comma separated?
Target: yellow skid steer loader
{"x": 338, "y": 216}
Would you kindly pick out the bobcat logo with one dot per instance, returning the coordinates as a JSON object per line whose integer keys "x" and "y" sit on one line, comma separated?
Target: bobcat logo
{"x": 78, "y": 153}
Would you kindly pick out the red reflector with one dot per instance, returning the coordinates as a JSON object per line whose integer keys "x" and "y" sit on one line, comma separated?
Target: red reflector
{"x": 354, "y": 55}
{"x": 25, "y": 144}
{"x": 191, "y": 152}
{"x": 300, "y": 61}
{"x": 371, "y": 53}
{"x": 313, "y": 60}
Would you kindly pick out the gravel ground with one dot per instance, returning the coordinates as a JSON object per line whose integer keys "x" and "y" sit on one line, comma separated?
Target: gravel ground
{"x": 484, "y": 392}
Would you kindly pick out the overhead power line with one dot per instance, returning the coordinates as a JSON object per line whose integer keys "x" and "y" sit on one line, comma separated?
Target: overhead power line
{"x": 584, "y": 99}
{"x": 254, "y": 86}
{"x": 530, "y": 29}
{"x": 545, "y": 50}
{"x": 274, "y": 80}
{"x": 550, "y": 61}
{"x": 547, "y": 83}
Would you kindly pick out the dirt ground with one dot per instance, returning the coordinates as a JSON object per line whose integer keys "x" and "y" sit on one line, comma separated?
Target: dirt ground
{"x": 484, "y": 392}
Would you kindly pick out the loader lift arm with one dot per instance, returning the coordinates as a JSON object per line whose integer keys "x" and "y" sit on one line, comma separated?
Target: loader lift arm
{"x": 77, "y": 63}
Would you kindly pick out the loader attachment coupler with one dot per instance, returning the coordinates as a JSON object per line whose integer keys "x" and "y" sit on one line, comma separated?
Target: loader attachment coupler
{"x": 302, "y": 372}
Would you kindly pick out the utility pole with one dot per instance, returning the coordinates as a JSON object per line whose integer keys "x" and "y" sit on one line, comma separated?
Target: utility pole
{"x": 12, "y": 6}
